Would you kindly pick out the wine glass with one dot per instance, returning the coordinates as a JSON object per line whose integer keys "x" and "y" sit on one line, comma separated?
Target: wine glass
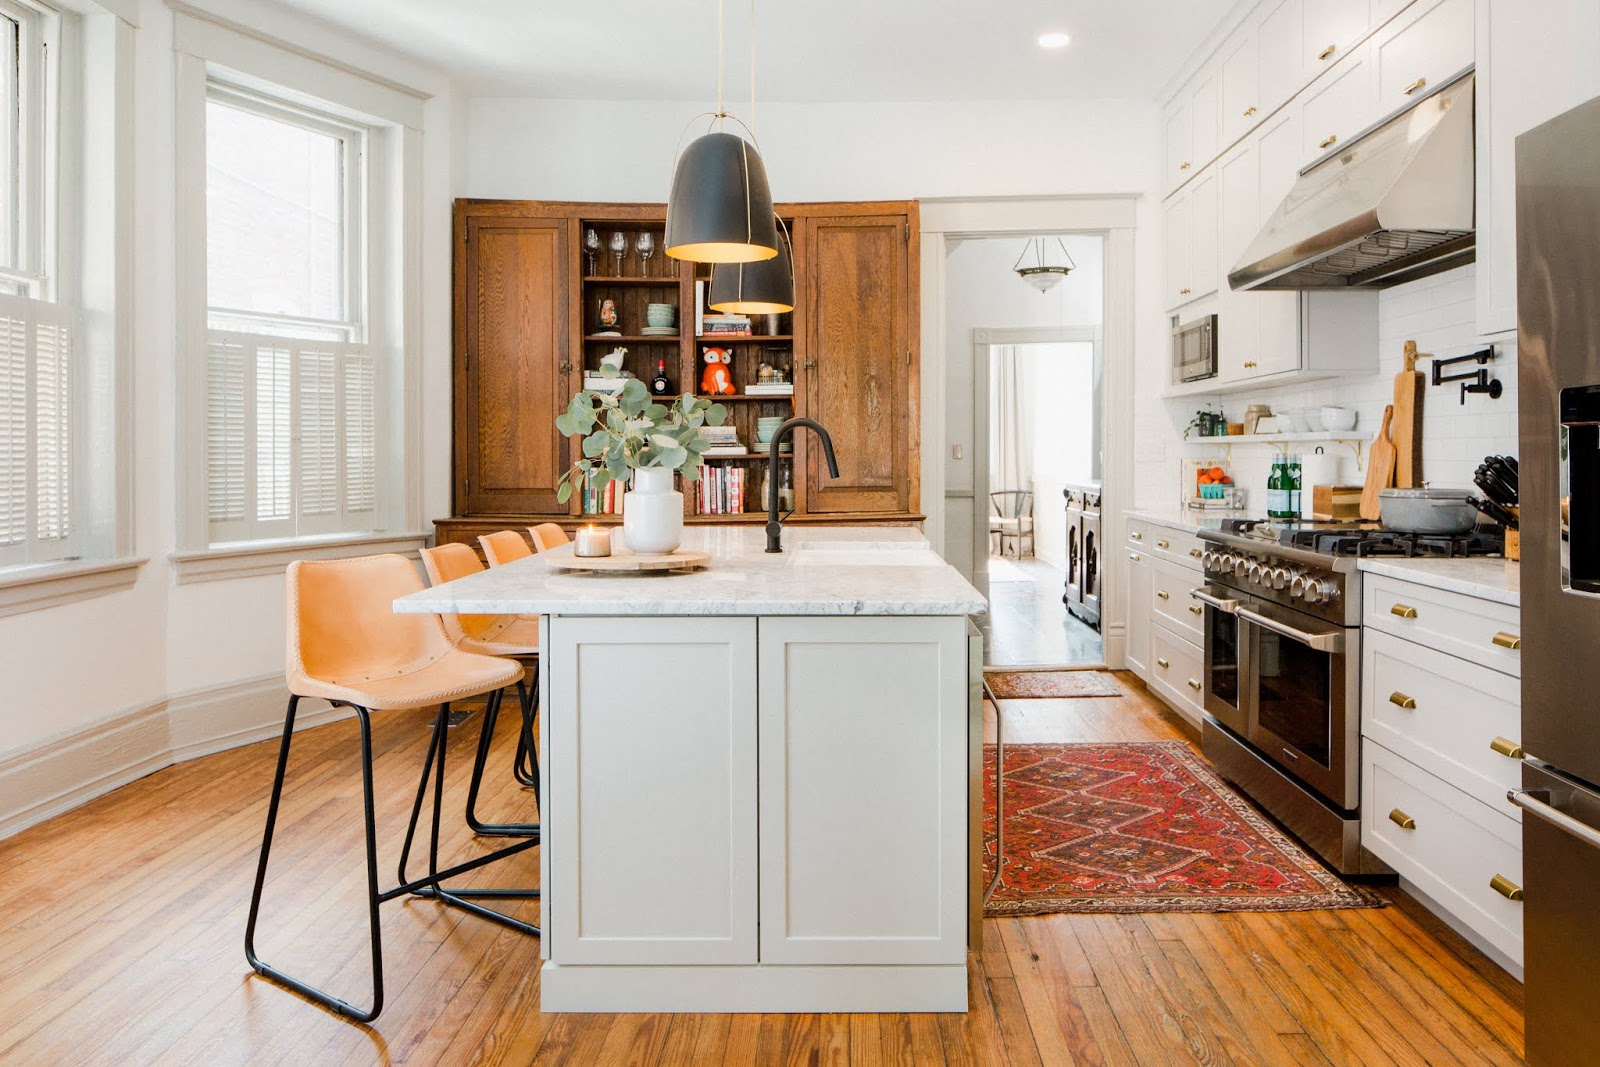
{"x": 619, "y": 248}
{"x": 646, "y": 244}
{"x": 591, "y": 246}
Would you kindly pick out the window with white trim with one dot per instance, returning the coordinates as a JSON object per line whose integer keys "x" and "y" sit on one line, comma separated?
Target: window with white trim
{"x": 293, "y": 382}
{"x": 39, "y": 517}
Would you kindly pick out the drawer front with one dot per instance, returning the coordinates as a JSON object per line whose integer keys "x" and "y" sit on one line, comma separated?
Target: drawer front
{"x": 1139, "y": 536}
{"x": 1455, "y": 849}
{"x": 1177, "y": 546}
{"x": 1171, "y": 603}
{"x": 1444, "y": 715}
{"x": 1478, "y": 631}
{"x": 1175, "y": 666}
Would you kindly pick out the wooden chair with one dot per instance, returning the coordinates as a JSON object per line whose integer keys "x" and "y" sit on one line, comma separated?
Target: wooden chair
{"x": 503, "y": 546}
{"x": 348, "y": 646}
{"x": 547, "y": 535}
{"x": 1013, "y": 518}
{"x": 513, "y": 636}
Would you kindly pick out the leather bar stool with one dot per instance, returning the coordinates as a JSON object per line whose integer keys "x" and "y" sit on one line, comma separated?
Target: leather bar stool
{"x": 547, "y": 535}
{"x": 348, "y": 646}
{"x": 512, "y": 636}
{"x": 503, "y": 546}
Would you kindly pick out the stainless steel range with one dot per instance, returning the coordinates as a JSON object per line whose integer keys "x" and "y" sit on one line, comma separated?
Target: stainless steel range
{"x": 1282, "y": 669}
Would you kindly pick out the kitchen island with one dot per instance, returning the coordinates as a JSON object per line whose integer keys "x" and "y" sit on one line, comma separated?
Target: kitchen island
{"x": 758, "y": 779}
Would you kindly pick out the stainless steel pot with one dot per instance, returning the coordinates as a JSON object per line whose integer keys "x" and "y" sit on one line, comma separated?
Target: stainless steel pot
{"x": 1427, "y": 511}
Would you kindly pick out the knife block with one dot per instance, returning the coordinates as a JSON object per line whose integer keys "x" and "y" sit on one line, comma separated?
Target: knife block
{"x": 1514, "y": 537}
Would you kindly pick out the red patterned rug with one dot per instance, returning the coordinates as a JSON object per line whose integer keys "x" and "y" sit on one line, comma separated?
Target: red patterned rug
{"x": 1141, "y": 826}
{"x": 1040, "y": 685}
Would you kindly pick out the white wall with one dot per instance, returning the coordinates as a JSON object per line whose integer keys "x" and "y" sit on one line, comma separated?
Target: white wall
{"x": 1061, "y": 380}
{"x": 68, "y": 668}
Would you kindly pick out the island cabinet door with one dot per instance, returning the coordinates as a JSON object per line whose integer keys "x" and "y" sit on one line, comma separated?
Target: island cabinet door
{"x": 650, "y": 816}
{"x": 863, "y": 790}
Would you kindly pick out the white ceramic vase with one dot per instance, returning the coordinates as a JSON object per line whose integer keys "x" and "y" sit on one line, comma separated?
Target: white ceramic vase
{"x": 652, "y": 512}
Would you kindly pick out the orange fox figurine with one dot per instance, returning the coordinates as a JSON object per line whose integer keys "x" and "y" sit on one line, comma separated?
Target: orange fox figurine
{"x": 716, "y": 379}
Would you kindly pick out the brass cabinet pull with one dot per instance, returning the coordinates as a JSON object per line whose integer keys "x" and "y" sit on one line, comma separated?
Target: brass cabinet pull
{"x": 1505, "y": 640}
{"x": 1506, "y": 747}
{"x": 1400, "y": 700}
{"x": 1197, "y": 609}
{"x": 1135, "y": 535}
{"x": 811, "y": 364}
{"x": 1134, "y": 557}
{"x": 1405, "y": 611}
{"x": 1328, "y": 140}
{"x": 1195, "y": 553}
{"x": 1249, "y": 364}
{"x": 1162, "y": 663}
{"x": 1184, "y": 166}
{"x": 566, "y": 366}
{"x": 1194, "y": 683}
{"x": 1163, "y": 543}
{"x": 1251, "y": 110}
{"x": 1402, "y": 820}
{"x": 1184, "y": 292}
{"x": 1163, "y": 594}
{"x": 1505, "y": 887}
{"x": 1328, "y": 51}
{"x": 1414, "y": 86}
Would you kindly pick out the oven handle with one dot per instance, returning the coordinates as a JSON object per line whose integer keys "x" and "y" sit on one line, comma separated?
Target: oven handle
{"x": 1324, "y": 642}
{"x": 1228, "y": 606}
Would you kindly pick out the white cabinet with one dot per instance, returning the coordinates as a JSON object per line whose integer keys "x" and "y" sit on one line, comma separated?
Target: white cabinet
{"x": 1179, "y": 218}
{"x": 1178, "y": 137}
{"x": 1164, "y": 636}
{"x": 1331, "y": 27}
{"x": 1189, "y": 130}
{"x": 1203, "y": 117}
{"x": 1279, "y": 154}
{"x": 684, "y": 741}
{"x": 1422, "y": 50}
{"x": 863, "y": 732}
{"x": 1138, "y": 647}
{"x": 1536, "y": 59}
{"x": 1239, "y": 86}
{"x": 1339, "y": 106}
{"x": 1191, "y": 224}
{"x": 1281, "y": 51}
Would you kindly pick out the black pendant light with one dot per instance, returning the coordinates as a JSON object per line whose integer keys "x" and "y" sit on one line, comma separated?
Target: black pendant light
{"x": 720, "y": 209}
{"x": 763, "y": 288}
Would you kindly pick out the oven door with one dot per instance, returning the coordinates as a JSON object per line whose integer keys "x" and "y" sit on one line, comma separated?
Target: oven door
{"x": 1300, "y": 697}
{"x": 1225, "y": 657}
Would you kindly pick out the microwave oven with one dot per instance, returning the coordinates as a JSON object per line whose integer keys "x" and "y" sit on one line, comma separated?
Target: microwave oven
{"x": 1194, "y": 349}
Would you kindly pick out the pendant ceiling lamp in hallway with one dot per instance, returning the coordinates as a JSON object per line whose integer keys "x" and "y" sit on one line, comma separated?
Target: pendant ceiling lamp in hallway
{"x": 720, "y": 209}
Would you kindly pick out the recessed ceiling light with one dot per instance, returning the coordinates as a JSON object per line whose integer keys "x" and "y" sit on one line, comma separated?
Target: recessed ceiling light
{"x": 1054, "y": 39}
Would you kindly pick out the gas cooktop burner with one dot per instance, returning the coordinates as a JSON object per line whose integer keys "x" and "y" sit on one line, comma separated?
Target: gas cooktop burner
{"x": 1345, "y": 538}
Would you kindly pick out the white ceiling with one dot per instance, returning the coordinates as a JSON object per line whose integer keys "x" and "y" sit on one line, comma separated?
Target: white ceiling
{"x": 808, "y": 50}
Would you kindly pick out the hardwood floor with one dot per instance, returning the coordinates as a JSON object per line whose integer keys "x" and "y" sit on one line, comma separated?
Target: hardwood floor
{"x": 121, "y": 927}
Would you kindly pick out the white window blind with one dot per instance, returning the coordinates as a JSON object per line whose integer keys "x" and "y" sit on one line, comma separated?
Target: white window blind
{"x": 36, "y": 432}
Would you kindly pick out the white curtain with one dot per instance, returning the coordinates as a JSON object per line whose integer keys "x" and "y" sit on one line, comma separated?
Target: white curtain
{"x": 1010, "y": 421}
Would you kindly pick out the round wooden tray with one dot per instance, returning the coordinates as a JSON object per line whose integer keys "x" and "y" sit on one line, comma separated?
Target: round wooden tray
{"x": 625, "y": 562}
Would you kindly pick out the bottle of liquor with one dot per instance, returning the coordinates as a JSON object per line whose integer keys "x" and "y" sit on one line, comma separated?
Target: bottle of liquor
{"x": 1294, "y": 487}
{"x": 1277, "y": 489}
{"x": 659, "y": 385}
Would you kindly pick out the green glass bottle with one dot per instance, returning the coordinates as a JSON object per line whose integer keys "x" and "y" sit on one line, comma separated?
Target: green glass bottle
{"x": 1278, "y": 489}
{"x": 1294, "y": 487}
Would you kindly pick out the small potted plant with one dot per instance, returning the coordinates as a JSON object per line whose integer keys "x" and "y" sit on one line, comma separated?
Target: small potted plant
{"x": 629, "y": 433}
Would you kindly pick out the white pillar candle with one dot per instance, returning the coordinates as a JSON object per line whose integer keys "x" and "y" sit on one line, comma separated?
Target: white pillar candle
{"x": 592, "y": 542}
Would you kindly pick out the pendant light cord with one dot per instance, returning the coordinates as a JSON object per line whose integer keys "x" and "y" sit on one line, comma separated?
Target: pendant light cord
{"x": 752, "y": 62}
{"x": 722, "y": 111}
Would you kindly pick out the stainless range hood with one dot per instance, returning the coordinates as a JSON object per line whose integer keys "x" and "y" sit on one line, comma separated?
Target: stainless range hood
{"x": 1393, "y": 205}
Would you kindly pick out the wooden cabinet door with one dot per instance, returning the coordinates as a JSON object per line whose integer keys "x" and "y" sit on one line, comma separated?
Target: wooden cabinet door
{"x": 857, "y": 361}
{"x": 511, "y": 341}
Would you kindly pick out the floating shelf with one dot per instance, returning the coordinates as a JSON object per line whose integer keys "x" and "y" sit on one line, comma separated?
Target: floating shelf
{"x": 1347, "y": 437}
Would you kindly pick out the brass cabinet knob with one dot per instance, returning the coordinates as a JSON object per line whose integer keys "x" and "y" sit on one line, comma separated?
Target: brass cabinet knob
{"x": 1505, "y": 887}
{"x": 1184, "y": 292}
{"x": 1162, "y": 663}
{"x": 1405, "y": 611}
{"x": 1194, "y": 683}
{"x": 566, "y": 366}
{"x": 1135, "y": 535}
{"x": 1249, "y": 364}
{"x": 1197, "y": 609}
{"x": 1251, "y": 110}
{"x": 1328, "y": 51}
{"x": 1163, "y": 594}
{"x": 1400, "y": 700}
{"x": 810, "y": 364}
{"x": 1328, "y": 140}
{"x": 1195, "y": 553}
{"x": 1505, "y": 640}
{"x": 1402, "y": 820}
{"x": 1134, "y": 557}
{"x": 1163, "y": 543}
{"x": 1185, "y": 166}
{"x": 1414, "y": 86}
{"x": 1506, "y": 747}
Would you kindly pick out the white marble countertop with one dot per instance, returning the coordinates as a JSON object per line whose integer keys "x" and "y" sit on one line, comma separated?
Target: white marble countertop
{"x": 1188, "y": 519}
{"x": 1499, "y": 580}
{"x": 742, "y": 579}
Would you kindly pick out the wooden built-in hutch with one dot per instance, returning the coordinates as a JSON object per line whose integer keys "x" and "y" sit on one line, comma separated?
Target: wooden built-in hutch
{"x": 527, "y": 319}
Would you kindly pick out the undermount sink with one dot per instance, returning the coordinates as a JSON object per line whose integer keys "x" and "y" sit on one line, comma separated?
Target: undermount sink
{"x": 819, "y": 555}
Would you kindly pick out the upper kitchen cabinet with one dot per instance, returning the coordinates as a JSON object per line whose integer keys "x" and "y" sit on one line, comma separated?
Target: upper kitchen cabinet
{"x": 857, "y": 358}
{"x": 1239, "y": 86}
{"x": 1339, "y": 106}
{"x": 1383, "y": 10}
{"x": 1281, "y": 38}
{"x": 1330, "y": 29}
{"x": 1421, "y": 50}
{"x": 1190, "y": 129}
{"x": 1191, "y": 223}
{"x": 1536, "y": 59}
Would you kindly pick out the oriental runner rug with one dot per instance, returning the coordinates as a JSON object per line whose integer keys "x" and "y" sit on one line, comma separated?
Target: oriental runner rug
{"x": 1040, "y": 685}
{"x": 1142, "y": 826}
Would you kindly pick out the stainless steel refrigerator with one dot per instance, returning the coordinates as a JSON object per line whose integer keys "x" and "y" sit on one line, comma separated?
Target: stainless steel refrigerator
{"x": 1558, "y": 356}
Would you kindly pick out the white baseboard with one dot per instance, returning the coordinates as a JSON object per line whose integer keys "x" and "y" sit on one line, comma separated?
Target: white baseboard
{"x": 61, "y": 773}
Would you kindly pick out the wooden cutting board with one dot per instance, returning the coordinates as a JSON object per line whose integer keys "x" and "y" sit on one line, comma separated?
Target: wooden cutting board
{"x": 1407, "y": 430}
{"x": 625, "y": 562}
{"x": 1380, "y": 468}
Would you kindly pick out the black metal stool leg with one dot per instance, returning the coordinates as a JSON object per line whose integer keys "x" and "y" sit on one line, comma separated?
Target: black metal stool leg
{"x": 525, "y": 766}
{"x": 266, "y": 970}
{"x": 491, "y": 714}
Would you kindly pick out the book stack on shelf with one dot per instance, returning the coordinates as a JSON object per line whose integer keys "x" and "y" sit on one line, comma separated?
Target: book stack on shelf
{"x": 713, "y": 324}
{"x": 607, "y": 501}
{"x": 720, "y": 490}
{"x": 769, "y": 389}
{"x": 722, "y": 441}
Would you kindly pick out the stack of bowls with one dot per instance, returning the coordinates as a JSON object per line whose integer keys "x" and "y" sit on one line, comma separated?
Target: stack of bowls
{"x": 766, "y": 426}
{"x": 661, "y": 319}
